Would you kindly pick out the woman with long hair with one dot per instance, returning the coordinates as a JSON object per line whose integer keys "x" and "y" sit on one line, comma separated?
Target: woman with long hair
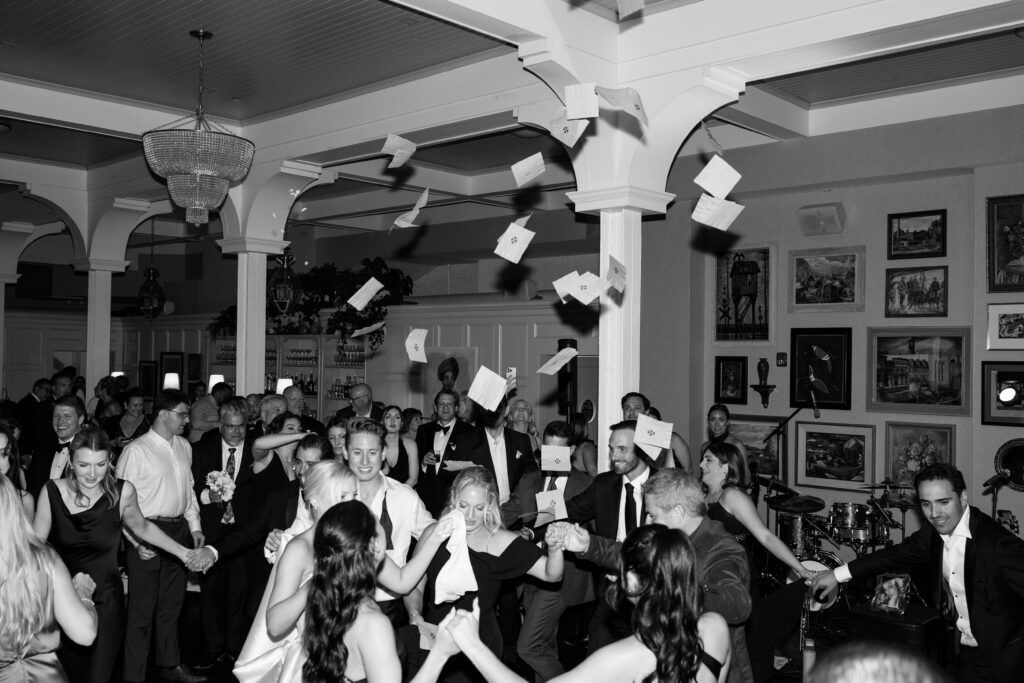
{"x": 495, "y": 554}
{"x": 10, "y": 468}
{"x": 38, "y": 595}
{"x": 282, "y": 437}
{"x": 520, "y": 419}
{"x": 673, "y": 639}
{"x": 82, "y": 516}
{"x": 719, "y": 421}
{"x": 401, "y": 457}
{"x": 412, "y": 418}
{"x": 133, "y": 423}
{"x": 337, "y": 428}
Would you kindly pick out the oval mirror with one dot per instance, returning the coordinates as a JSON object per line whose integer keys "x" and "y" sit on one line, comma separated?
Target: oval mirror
{"x": 1010, "y": 459}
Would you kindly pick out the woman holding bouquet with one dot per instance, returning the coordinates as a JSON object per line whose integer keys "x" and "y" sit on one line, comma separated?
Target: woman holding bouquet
{"x": 81, "y": 516}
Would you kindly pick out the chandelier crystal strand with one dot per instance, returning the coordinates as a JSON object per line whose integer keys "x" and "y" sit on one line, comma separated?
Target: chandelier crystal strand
{"x": 200, "y": 163}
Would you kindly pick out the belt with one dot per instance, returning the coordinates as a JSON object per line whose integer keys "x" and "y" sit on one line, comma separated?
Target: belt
{"x": 167, "y": 520}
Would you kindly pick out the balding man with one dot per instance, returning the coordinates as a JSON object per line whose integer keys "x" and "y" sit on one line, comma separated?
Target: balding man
{"x": 297, "y": 406}
{"x": 360, "y": 404}
{"x": 271, "y": 406}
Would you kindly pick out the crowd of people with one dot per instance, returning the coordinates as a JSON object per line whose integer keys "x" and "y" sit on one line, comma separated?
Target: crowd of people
{"x": 393, "y": 545}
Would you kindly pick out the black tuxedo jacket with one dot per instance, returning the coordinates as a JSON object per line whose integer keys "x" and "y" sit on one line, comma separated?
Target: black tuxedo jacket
{"x": 993, "y": 576}
{"x": 600, "y": 503}
{"x": 277, "y": 512}
{"x": 376, "y": 413}
{"x": 36, "y": 423}
{"x": 206, "y": 458}
{"x": 433, "y": 486}
{"x": 39, "y": 469}
{"x": 518, "y": 453}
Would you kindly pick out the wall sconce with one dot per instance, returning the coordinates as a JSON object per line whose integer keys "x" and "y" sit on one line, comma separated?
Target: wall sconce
{"x": 117, "y": 373}
{"x": 214, "y": 381}
{"x": 283, "y": 384}
{"x": 172, "y": 381}
{"x": 762, "y": 387}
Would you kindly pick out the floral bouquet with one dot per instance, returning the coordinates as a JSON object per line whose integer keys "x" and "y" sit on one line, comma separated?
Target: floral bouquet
{"x": 221, "y": 483}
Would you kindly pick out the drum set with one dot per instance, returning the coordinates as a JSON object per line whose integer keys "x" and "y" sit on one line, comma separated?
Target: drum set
{"x": 862, "y": 527}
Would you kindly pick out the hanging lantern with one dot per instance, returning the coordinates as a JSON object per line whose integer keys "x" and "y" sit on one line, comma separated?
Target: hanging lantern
{"x": 285, "y": 289}
{"x": 151, "y": 294}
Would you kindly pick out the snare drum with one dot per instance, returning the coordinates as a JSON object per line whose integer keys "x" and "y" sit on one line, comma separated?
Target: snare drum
{"x": 791, "y": 532}
{"x": 850, "y": 522}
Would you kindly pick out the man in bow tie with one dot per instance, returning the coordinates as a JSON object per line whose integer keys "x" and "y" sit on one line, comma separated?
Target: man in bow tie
{"x": 437, "y": 442}
{"x": 51, "y": 461}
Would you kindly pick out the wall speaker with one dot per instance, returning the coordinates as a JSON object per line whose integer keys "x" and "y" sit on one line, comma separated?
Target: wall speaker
{"x": 822, "y": 219}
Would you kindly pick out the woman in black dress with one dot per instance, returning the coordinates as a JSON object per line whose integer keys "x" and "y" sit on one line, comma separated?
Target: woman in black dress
{"x": 401, "y": 458}
{"x": 125, "y": 428}
{"x": 81, "y": 517}
{"x": 495, "y": 554}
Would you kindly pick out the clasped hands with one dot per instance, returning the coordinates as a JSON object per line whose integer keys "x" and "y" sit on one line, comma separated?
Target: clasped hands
{"x": 458, "y": 630}
{"x": 567, "y": 536}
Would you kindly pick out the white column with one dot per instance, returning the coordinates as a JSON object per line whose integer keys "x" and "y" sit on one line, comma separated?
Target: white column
{"x": 250, "y": 337}
{"x": 97, "y": 321}
{"x": 5, "y": 279}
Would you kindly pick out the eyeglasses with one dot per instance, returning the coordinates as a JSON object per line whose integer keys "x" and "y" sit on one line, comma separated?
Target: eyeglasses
{"x": 445, "y": 404}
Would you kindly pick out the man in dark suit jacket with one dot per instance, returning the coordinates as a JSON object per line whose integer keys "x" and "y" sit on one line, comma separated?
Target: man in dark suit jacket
{"x": 440, "y": 456}
{"x": 52, "y": 458}
{"x": 297, "y": 405}
{"x": 224, "y": 587}
{"x": 360, "y": 404}
{"x": 36, "y": 412}
{"x": 615, "y": 503}
{"x": 545, "y": 603}
{"x": 982, "y": 600}
{"x": 505, "y": 453}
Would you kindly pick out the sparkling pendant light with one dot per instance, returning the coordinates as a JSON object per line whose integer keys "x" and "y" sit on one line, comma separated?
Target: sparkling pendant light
{"x": 151, "y": 294}
{"x": 199, "y": 163}
{"x": 284, "y": 288}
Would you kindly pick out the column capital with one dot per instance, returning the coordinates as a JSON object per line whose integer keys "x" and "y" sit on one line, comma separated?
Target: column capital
{"x": 110, "y": 265}
{"x": 623, "y": 197}
{"x": 9, "y": 278}
{"x": 239, "y": 245}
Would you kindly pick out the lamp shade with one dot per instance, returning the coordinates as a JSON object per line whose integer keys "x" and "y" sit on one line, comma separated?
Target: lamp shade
{"x": 172, "y": 381}
{"x": 283, "y": 384}
{"x": 214, "y": 381}
{"x": 117, "y": 373}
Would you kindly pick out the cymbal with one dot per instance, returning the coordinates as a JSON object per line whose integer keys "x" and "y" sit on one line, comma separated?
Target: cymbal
{"x": 797, "y": 504}
{"x": 771, "y": 484}
{"x": 886, "y": 484}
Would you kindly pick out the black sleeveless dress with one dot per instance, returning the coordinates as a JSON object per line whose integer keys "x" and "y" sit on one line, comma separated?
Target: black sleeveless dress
{"x": 400, "y": 471}
{"x": 87, "y": 541}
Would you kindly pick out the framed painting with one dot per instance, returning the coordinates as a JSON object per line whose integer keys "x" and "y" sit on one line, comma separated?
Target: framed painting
{"x": 919, "y": 370}
{"x": 172, "y": 361}
{"x": 834, "y": 456}
{"x": 918, "y": 234}
{"x": 147, "y": 379}
{"x": 919, "y": 292}
{"x": 1005, "y": 326}
{"x": 730, "y": 379}
{"x": 826, "y": 280}
{"x": 1002, "y": 393}
{"x": 1005, "y": 243}
{"x": 820, "y": 367}
{"x": 912, "y": 446}
{"x": 765, "y": 448}
{"x": 194, "y": 369}
{"x": 744, "y": 292}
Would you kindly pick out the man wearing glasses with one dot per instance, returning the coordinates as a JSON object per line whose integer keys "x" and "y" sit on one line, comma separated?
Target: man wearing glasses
{"x": 159, "y": 465}
{"x": 436, "y": 441}
{"x": 360, "y": 404}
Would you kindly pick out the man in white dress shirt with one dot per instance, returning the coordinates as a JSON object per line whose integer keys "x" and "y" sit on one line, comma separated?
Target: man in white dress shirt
{"x": 159, "y": 465}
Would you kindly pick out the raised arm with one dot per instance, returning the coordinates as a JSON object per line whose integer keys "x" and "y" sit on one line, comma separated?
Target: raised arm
{"x": 402, "y": 580}
{"x": 263, "y": 445}
{"x": 550, "y": 567}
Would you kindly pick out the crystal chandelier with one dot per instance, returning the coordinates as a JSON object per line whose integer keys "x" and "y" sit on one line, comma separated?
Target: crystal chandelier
{"x": 284, "y": 287}
{"x": 201, "y": 162}
{"x": 151, "y": 294}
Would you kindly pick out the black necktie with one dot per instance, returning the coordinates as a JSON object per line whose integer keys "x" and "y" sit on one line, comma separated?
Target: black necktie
{"x": 385, "y": 522}
{"x": 630, "y": 510}
{"x": 229, "y": 512}
{"x": 551, "y": 483}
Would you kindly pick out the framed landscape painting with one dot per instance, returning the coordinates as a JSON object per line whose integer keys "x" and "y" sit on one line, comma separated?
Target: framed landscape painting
{"x": 826, "y": 280}
{"x": 1006, "y": 326}
{"x": 764, "y": 448}
{"x": 919, "y": 234}
{"x": 745, "y": 295}
{"x": 919, "y": 370}
{"x": 1005, "y": 237}
{"x": 919, "y": 292}
{"x": 834, "y": 456}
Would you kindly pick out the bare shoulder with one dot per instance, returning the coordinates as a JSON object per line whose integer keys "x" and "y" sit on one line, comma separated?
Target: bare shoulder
{"x": 500, "y": 541}
{"x": 714, "y": 631}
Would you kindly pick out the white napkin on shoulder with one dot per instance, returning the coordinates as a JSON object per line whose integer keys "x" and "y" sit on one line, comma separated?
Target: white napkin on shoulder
{"x": 456, "y": 577}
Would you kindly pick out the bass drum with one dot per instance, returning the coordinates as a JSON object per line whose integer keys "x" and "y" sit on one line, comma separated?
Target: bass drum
{"x": 820, "y": 561}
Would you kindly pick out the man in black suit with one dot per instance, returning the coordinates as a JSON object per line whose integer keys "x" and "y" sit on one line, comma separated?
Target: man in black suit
{"x": 545, "y": 603}
{"x": 974, "y": 574}
{"x": 223, "y": 595}
{"x": 615, "y": 503}
{"x": 505, "y": 453}
{"x": 35, "y": 411}
{"x": 441, "y": 459}
{"x": 360, "y": 404}
{"x": 53, "y": 457}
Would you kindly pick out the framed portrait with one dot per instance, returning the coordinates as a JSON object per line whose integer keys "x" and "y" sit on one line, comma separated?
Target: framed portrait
{"x": 820, "y": 360}
{"x": 744, "y": 292}
{"x": 147, "y": 379}
{"x": 1005, "y": 243}
{"x": 919, "y": 370}
{"x": 730, "y": 379}
{"x": 891, "y": 593}
{"x": 834, "y": 456}
{"x": 919, "y": 292}
{"x": 918, "y": 234}
{"x": 1002, "y": 393}
{"x": 172, "y": 361}
{"x": 765, "y": 446}
{"x": 912, "y": 446}
{"x": 826, "y": 280}
{"x": 1005, "y": 326}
